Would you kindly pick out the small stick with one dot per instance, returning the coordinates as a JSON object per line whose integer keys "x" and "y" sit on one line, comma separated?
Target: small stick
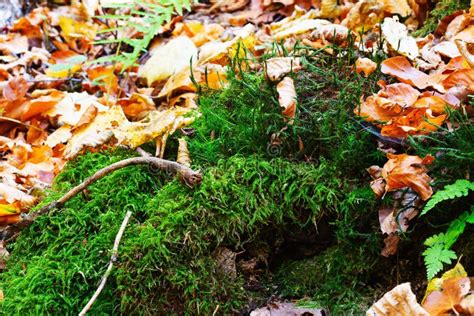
{"x": 113, "y": 258}
{"x": 189, "y": 176}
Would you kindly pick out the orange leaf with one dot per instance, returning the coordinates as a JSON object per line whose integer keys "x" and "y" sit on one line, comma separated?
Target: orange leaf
{"x": 365, "y": 65}
{"x": 415, "y": 122}
{"x": 446, "y": 300}
{"x": 401, "y": 93}
{"x": 376, "y": 108}
{"x": 41, "y": 104}
{"x": 287, "y": 97}
{"x": 462, "y": 77}
{"x": 400, "y": 68}
{"x": 16, "y": 88}
{"x": 403, "y": 170}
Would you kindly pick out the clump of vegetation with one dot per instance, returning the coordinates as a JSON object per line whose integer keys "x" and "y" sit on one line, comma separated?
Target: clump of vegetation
{"x": 248, "y": 195}
{"x": 441, "y": 9}
{"x": 328, "y": 277}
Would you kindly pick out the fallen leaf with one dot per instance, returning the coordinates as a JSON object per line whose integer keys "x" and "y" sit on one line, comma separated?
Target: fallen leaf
{"x": 396, "y": 35}
{"x": 399, "y": 301}
{"x": 287, "y": 97}
{"x": 278, "y": 67}
{"x": 365, "y": 65}
{"x": 453, "y": 290}
{"x": 183, "y": 156}
{"x": 16, "y": 88}
{"x": 400, "y": 93}
{"x": 400, "y": 68}
{"x": 96, "y": 133}
{"x": 391, "y": 245}
{"x": 403, "y": 170}
{"x": 169, "y": 59}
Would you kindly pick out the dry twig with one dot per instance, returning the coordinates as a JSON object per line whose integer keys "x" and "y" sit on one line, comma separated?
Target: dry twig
{"x": 113, "y": 258}
{"x": 189, "y": 176}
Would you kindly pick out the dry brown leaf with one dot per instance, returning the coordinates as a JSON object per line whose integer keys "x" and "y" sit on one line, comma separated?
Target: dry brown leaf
{"x": 169, "y": 59}
{"x": 287, "y": 97}
{"x": 396, "y": 35}
{"x": 453, "y": 290}
{"x": 390, "y": 245}
{"x": 278, "y": 67}
{"x": 403, "y": 170}
{"x": 365, "y": 65}
{"x": 16, "y": 88}
{"x": 463, "y": 48}
{"x": 399, "y": 301}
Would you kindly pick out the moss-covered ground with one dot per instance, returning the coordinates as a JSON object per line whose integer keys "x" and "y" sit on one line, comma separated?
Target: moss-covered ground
{"x": 300, "y": 208}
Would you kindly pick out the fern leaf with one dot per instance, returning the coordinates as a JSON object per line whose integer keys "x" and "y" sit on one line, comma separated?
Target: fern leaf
{"x": 435, "y": 257}
{"x": 458, "y": 189}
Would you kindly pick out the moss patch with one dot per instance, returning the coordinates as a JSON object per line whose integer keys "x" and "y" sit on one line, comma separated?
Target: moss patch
{"x": 249, "y": 196}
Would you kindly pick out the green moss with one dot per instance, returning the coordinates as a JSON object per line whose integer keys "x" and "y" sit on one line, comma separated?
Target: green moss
{"x": 441, "y": 9}
{"x": 335, "y": 279}
{"x": 249, "y": 194}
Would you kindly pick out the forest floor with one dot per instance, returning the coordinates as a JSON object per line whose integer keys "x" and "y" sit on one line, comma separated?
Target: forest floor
{"x": 296, "y": 157}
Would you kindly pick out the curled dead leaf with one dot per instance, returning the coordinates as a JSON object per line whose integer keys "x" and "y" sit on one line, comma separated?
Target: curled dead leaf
{"x": 408, "y": 171}
{"x": 287, "y": 97}
{"x": 399, "y": 301}
{"x": 278, "y": 67}
{"x": 365, "y": 65}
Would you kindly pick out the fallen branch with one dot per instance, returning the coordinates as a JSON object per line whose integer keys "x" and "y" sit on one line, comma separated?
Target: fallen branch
{"x": 186, "y": 174}
{"x": 113, "y": 258}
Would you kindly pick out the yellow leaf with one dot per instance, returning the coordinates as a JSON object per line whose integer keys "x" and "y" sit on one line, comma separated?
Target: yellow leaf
{"x": 76, "y": 29}
{"x": 97, "y": 132}
{"x": 183, "y": 153}
{"x": 155, "y": 124}
{"x": 8, "y": 209}
{"x": 169, "y": 59}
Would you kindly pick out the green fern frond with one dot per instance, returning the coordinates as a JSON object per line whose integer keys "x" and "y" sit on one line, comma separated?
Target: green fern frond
{"x": 439, "y": 245}
{"x": 152, "y": 14}
{"x": 451, "y": 191}
{"x": 435, "y": 257}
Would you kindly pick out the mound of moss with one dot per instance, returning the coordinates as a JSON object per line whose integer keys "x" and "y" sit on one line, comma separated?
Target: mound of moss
{"x": 250, "y": 194}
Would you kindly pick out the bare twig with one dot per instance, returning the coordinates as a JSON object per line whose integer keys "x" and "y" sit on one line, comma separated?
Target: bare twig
{"x": 189, "y": 176}
{"x": 113, "y": 258}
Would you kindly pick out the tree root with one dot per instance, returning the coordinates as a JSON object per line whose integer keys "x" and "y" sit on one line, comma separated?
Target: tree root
{"x": 187, "y": 175}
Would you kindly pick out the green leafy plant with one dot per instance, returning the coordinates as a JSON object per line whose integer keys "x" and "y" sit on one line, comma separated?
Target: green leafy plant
{"x": 152, "y": 16}
{"x": 439, "y": 252}
{"x": 458, "y": 189}
{"x": 439, "y": 246}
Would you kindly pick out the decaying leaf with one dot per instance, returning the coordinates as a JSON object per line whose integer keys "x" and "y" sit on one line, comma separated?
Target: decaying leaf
{"x": 391, "y": 245}
{"x": 155, "y": 124}
{"x": 365, "y": 65}
{"x": 278, "y": 67}
{"x": 402, "y": 171}
{"x": 287, "y": 97}
{"x": 396, "y": 35}
{"x": 96, "y": 133}
{"x": 444, "y": 295}
{"x": 399, "y": 301}
{"x": 169, "y": 59}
